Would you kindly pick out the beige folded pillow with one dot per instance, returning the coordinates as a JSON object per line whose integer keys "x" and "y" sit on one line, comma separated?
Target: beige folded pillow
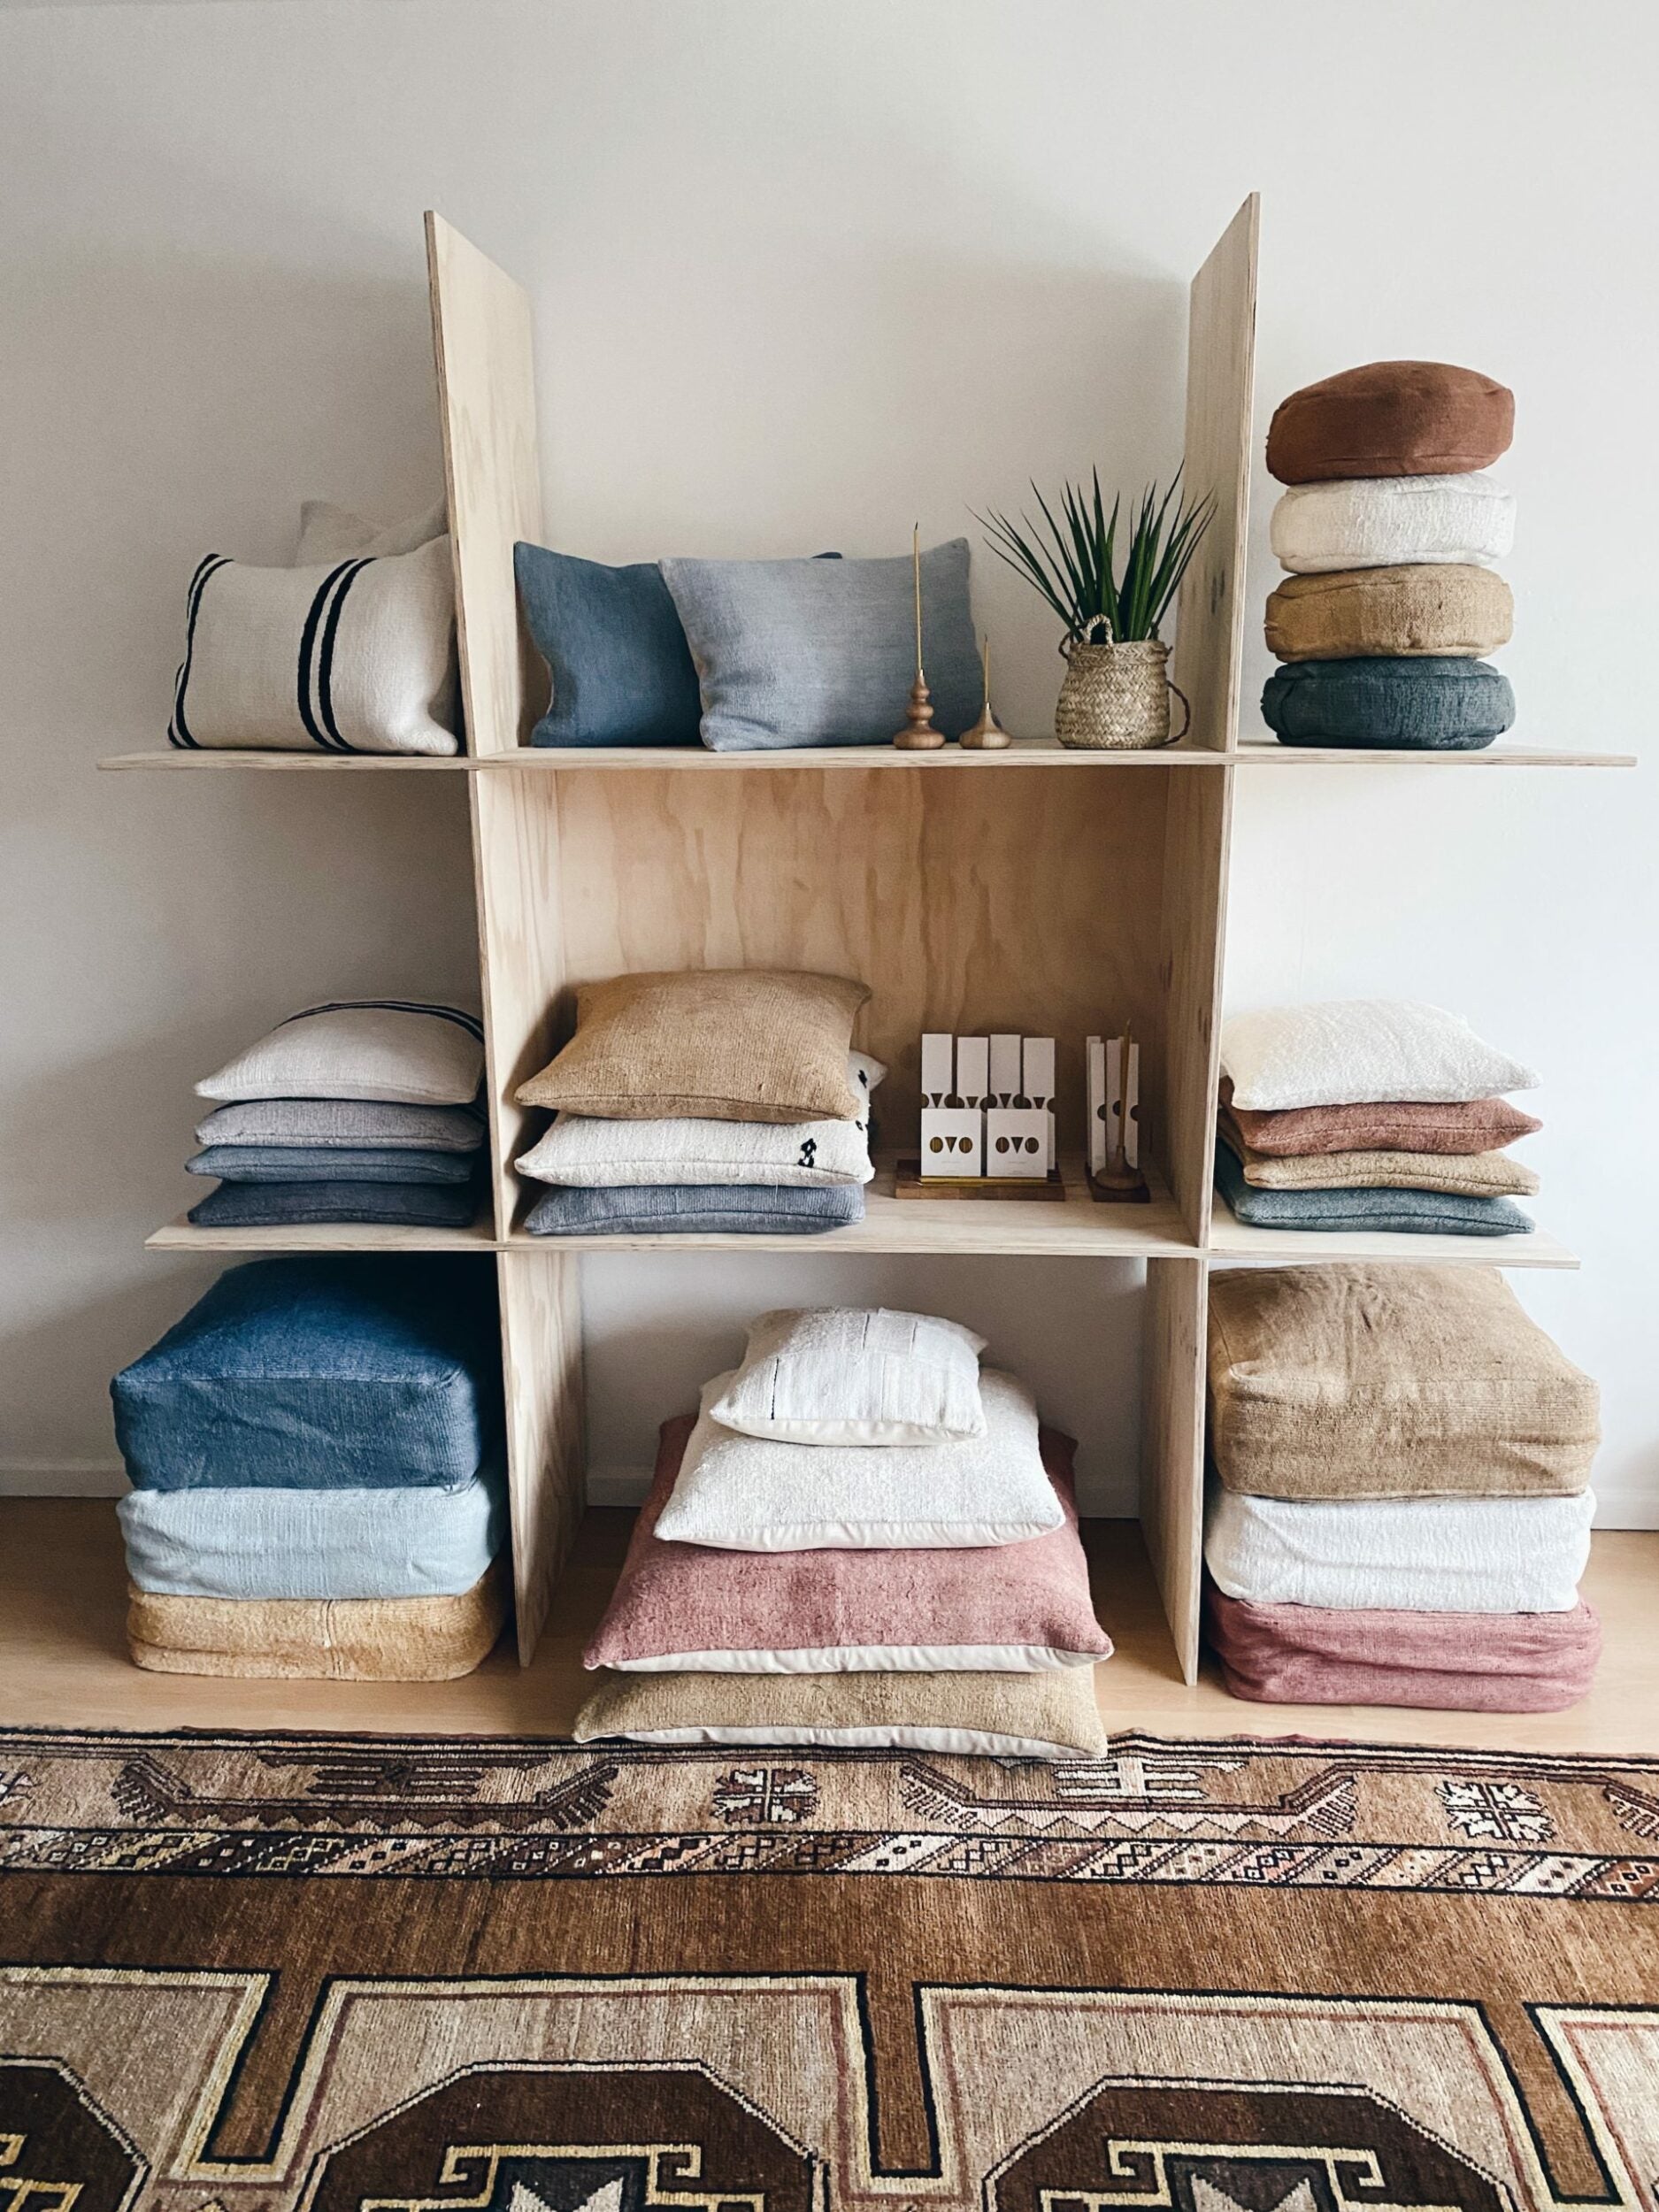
{"x": 1356, "y": 1381}
{"x": 332, "y": 1639}
{"x": 1048, "y": 1715}
{"x": 1465, "y": 1175}
{"x": 1429, "y": 607}
{"x": 718, "y": 1044}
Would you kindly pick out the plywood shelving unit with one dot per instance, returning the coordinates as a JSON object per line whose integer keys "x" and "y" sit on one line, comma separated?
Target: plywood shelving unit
{"x": 911, "y": 870}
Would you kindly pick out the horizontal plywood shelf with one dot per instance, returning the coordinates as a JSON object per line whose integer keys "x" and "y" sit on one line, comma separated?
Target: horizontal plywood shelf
{"x": 1230, "y": 1240}
{"x": 321, "y": 1236}
{"x": 1039, "y": 1228}
{"x": 1026, "y": 752}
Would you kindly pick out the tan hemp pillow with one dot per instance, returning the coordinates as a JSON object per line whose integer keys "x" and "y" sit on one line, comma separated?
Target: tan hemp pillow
{"x": 1462, "y": 1174}
{"x": 1355, "y": 1381}
{"x": 1424, "y": 607}
{"x": 718, "y": 1044}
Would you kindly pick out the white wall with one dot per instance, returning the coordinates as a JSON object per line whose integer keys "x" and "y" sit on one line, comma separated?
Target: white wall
{"x": 801, "y": 275}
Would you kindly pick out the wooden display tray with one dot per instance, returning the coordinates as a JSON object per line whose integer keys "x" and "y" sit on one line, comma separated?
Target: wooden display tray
{"x": 910, "y": 1182}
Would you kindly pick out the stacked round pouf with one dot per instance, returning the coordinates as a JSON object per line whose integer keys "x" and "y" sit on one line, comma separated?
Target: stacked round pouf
{"x": 318, "y": 1489}
{"x": 1401, "y": 1510}
{"x": 1391, "y": 528}
{"x": 862, "y": 1540}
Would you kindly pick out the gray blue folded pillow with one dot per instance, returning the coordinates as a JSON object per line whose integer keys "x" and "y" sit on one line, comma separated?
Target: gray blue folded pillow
{"x": 747, "y": 655}
{"x": 695, "y": 1210}
{"x": 1407, "y": 1212}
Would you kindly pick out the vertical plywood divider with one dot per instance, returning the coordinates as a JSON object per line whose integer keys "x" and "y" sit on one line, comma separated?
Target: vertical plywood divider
{"x": 1209, "y": 653}
{"x": 481, "y": 338}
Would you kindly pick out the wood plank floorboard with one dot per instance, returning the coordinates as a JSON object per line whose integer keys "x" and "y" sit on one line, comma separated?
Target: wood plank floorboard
{"x": 63, "y": 1661}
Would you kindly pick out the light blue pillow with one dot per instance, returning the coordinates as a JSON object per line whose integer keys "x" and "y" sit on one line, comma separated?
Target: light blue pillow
{"x": 792, "y": 653}
{"x": 380, "y": 1543}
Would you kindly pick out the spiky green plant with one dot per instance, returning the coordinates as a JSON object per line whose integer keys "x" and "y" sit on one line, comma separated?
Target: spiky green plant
{"x": 1075, "y": 569}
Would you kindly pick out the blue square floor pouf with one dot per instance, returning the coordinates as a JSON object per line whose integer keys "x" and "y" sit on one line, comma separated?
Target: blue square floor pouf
{"x": 321, "y": 1374}
{"x": 1430, "y": 702}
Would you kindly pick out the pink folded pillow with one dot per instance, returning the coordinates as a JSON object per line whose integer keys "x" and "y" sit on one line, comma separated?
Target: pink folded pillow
{"x": 1457, "y": 1663}
{"x": 1004, "y": 1608}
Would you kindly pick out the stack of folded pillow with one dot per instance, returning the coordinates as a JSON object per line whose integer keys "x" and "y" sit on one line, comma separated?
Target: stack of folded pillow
{"x": 1391, "y": 527}
{"x": 1370, "y": 1114}
{"x": 861, "y": 1540}
{"x": 719, "y": 1101}
{"x": 367, "y": 1110}
{"x": 1400, "y": 1512}
{"x": 317, "y": 1487}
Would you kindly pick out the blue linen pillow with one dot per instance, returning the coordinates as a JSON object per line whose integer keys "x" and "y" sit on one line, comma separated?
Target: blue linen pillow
{"x": 622, "y": 671}
{"x": 330, "y": 1163}
{"x": 1433, "y": 702}
{"x": 293, "y": 1543}
{"x": 1410, "y": 1212}
{"x": 797, "y": 653}
{"x": 320, "y": 1372}
{"x": 669, "y": 1209}
{"x": 282, "y": 1205}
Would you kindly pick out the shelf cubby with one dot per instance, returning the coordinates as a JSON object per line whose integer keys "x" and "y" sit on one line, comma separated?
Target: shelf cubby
{"x": 1038, "y": 889}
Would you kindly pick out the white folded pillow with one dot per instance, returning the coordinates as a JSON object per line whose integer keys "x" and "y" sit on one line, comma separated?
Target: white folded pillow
{"x": 390, "y": 1050}
{"x": 1385, "y": 521}
{"x": 1349, "y": 1052}
{"x": 588, "y": 1152}
{"x": 749, "y": 1494}
{"x": 858, "y": 1376}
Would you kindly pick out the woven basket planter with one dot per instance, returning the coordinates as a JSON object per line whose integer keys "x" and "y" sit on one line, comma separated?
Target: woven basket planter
{"x": 1116, "y": 698}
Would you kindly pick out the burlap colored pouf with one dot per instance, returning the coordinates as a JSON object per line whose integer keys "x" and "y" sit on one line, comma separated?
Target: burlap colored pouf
{"x": 1391, "y": 418}
{"x": 323, "y": 1639}
{"x": 1437, "y": 703}
{"x": 1355, "y": 1381}
{"x": 1431, "y": 607}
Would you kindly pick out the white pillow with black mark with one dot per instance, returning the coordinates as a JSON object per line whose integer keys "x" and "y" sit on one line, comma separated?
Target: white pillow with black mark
{"x": 597, "y": 1155}
{"x": 353, "y": 655}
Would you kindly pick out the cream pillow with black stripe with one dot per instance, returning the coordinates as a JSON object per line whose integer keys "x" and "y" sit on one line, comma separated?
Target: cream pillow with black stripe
{"x": 351, "y": 655}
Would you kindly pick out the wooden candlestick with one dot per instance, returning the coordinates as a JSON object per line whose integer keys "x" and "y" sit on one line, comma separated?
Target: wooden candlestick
{"x": 987, "y": 735}
{"x": 918, "y": 734}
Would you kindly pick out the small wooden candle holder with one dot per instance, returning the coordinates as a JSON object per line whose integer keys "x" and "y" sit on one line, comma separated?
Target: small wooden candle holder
{"x": 918, "y": 734}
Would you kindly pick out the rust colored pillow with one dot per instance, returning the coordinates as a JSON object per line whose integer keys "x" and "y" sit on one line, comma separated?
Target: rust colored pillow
{"x": 1292, "y": 1133}
{"x": 1391, "y": 418}
{"x": 1429, "y": 607}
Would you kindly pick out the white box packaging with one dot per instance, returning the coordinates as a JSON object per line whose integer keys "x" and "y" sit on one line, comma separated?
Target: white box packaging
{"x": 973, "y": 1071}
{"x": 952, "y": 1140}
{"x": 1095, "y": 1055}
{"x": 1017, "y": 1140}
{"x": 1039, "y": 1087}
{"x": 1006, "y": 1069}
{"x": 939, "y": 1059}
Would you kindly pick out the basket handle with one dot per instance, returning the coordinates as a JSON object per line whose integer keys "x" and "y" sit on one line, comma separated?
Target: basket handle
{"x": 1187, "y": 715}
{"x": 1088, "y": 638}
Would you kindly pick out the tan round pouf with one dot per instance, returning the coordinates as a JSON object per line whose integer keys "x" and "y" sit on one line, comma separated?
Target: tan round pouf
{"x": 1363, "y": 613}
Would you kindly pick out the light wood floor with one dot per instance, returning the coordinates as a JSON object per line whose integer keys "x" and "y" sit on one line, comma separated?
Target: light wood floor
{"x": 63, "y": 1661}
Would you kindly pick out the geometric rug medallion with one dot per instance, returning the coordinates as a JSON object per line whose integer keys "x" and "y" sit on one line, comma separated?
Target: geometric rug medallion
{"x": 394, "y": 1974}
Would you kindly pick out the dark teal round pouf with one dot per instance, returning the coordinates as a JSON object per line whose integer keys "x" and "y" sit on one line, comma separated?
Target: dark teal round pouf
{"x": 1436, "y": 704}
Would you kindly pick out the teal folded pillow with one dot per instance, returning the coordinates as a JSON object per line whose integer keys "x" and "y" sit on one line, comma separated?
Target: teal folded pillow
{"x": 1437, "y": 703}
{"x": 794, "y": 653}
{"x": 1409, "y": 1212}
{"x": 621, "y": 669}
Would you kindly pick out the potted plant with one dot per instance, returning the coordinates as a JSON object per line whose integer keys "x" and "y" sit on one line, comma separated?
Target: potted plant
{"x": 1116, "y": 693}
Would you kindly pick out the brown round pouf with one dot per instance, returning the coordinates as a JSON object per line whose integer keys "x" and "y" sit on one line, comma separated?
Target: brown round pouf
{"x": 1391, "y": 418}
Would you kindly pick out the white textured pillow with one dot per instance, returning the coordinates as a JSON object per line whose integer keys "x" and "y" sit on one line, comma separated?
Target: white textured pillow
{"x": 329, "y": 532}
{"x": 749, "y": 1494}
{"x": 391, "y": 1049}
{"x": 1353, "y": 1052}
{"x": 859, "y": 1375}
{"x": 1385, "y": 521}
{"x": 584, "y": 1150}
{"x": 356, "y": 655}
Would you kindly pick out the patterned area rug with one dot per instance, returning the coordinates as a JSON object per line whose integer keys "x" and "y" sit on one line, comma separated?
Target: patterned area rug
{"x": 394, "y": 1975}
